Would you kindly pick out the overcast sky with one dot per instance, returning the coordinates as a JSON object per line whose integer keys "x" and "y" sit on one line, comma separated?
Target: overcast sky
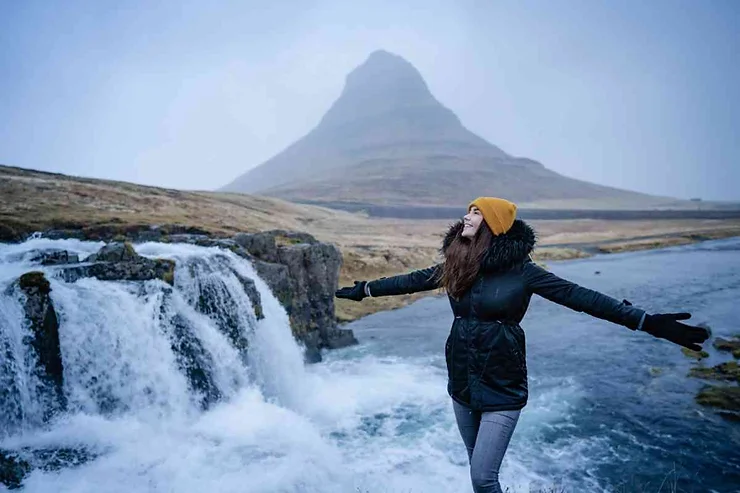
{"x": 633, "y": 94}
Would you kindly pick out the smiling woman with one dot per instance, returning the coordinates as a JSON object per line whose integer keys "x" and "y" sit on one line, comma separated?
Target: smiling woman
{"x": 490, "y": 278}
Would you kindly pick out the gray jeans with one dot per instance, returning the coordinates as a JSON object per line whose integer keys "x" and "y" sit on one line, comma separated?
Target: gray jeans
{"x": 486, "y": 436}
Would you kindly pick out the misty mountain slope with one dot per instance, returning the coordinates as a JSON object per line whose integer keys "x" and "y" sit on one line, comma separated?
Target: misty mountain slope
{"x": 388, "y": 141}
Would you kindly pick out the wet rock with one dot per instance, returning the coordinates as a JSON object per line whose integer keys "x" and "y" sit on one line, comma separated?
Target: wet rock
{"x": 140, "y": 269}
{"x": 730, "y": 416}
{"x": 218, "y": 303}
{"x": 303, "y": 274}
{"x": 192, "y": 359}
{"x": 44, "y": 325}
{"x": 254, "y": 295}
{"x": 697, "y": 355}
{"x": 655, "y": 371}
{"x": 136, "y": 233}
{"x": 301, "y": 271}
{"x": 731, "y": 345}
{"x": 725, "y": 371}
{"x": 115, "y": 252}
{"x": 312, "y": 353}
{"x": 16, "y": 465}
{"x": 13, "y": 469}
{"x": 264, "y": 245}
{"x": 56, "y": 257}
{"x": 53, "y": 459}
{"x": 721, "y": 397}
{"x": 314, "y": 273}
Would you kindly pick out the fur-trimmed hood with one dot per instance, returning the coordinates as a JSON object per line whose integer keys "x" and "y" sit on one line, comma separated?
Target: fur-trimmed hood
{"x": 505, "y": 250}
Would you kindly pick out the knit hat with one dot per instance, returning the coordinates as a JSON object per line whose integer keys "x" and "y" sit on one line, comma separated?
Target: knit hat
{"x": 499, "y": 214}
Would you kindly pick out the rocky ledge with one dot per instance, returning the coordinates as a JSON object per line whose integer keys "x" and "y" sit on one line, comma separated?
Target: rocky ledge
{"x": 725, "y": 398}
{"x": 301, "y": 272}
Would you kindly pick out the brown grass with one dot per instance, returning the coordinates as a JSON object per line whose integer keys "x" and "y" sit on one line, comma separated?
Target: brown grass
{"x": 371, "y": 247}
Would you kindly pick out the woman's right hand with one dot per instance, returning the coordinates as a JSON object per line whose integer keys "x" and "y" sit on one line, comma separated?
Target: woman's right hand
{"x": 356, "y": 293}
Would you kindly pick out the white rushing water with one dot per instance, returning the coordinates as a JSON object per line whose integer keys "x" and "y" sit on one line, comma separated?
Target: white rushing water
{"x": 356, "y": 422}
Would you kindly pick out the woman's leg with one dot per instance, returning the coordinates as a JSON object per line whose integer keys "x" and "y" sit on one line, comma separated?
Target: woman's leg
{"x": 468, "y": 422}
{"x": 493, "y": 438}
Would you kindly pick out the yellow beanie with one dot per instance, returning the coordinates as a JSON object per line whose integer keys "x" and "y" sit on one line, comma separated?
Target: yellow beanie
{"x": 499, "y": 214}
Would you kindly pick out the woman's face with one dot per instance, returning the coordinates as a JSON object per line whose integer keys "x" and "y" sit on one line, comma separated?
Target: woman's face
{"x": 472, "y": 222}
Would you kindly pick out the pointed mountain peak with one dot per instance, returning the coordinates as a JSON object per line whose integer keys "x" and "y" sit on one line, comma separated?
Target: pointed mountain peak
{"x": 383, "y": 83}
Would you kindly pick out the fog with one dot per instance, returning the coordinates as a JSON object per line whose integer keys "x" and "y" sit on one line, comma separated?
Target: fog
{"x": 637, "y": 95}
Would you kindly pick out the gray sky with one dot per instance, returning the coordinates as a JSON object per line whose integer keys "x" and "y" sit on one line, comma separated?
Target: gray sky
{"x": 633, "y": 94}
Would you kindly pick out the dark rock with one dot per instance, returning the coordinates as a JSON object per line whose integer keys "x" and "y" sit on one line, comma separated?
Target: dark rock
{"x": 141, "y": 269}
{"x": 44, "y": 324}
{"x": 53, "y": 459}
{"x": 724, "y": 371}
{"x": 136, "y": 233}
{"x": 314, "y": 273}
{"x": 337, "y": 338}
{"x": 732, "y": 345}
{"x": 16, "y": 465}
{"x": 730, "y": 416}
{"x": 13, "y": 231}
{"x": 56, "y": 257}
{"x": 303, "y": 274}
{"x": 312, "y": 353}
{"x": 698, "y": 355}
{"x": 115, "y": 252}
{"x": 191, "y": 357}
{"x": 11, "y": 407}
{"x": 12, "y": 469}
{"x": 725, "y": 398}
{"x": 217, "y": 302}
{"x": 254, "y": 295}
{"x": 264, "y": 245}
{"x": 277, "y": 278}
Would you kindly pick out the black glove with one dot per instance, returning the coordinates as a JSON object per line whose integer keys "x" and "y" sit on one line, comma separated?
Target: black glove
{"x": 356, "y": 293}
{"x": 665, "y": 326}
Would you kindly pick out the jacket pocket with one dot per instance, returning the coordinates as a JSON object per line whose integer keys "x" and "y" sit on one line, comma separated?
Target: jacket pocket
{"x": 502, "y": 363}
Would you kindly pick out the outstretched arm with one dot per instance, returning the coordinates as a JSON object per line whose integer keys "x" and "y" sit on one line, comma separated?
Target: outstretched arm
{"x": 580, "y": 299}
{"x": 566, "y": 293}
{"x": 413, "y": 282}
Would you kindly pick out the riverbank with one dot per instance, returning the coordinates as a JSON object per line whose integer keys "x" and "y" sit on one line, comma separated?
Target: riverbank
{"x": 584, "y": 243}
{"x": 371, "y": 247}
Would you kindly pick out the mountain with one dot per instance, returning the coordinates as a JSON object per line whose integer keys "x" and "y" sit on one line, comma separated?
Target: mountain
{"x": 388, "y": 142}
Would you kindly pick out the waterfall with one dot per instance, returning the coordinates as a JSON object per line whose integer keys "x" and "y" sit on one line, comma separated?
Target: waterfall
{"x": 147, "y": 349}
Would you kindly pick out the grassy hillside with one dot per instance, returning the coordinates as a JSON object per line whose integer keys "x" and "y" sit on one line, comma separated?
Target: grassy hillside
{"x": 371, "y": 247}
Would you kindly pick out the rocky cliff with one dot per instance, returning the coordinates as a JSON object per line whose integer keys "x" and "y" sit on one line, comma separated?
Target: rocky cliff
{"x": 301, "y": 272}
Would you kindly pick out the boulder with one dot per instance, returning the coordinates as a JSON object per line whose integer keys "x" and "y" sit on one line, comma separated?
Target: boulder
{"x": 254, "y": 296}
{"x": 731, "y": 345}
{"x": 56, "y": 257}
{"x": 303, "y": 274}
{"x": 724, "y": 371}
{"x": 115, "y": 252}
{"x": 15, "y": 465}
{"x": 44, "y": 325}
{"x": 722, "y": 397}
{"x": 141, "y": 270}
{"x": 194, "y": 361}
{"x": 13, "y": 469}
{"x": 697, "y": 355}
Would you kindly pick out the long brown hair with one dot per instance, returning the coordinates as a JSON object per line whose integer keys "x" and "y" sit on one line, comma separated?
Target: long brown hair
{"x": 463, "y": 260}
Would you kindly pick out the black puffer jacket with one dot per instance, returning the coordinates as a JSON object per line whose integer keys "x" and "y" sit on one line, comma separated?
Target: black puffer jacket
{"x": 486, "y": 351}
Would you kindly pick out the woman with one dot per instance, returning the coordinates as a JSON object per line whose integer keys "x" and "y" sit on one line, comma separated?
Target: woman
{"x": 489, "y": 278}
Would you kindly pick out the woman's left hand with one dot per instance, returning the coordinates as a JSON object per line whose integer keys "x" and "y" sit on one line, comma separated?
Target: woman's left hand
{"x": 666, "y": 326}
